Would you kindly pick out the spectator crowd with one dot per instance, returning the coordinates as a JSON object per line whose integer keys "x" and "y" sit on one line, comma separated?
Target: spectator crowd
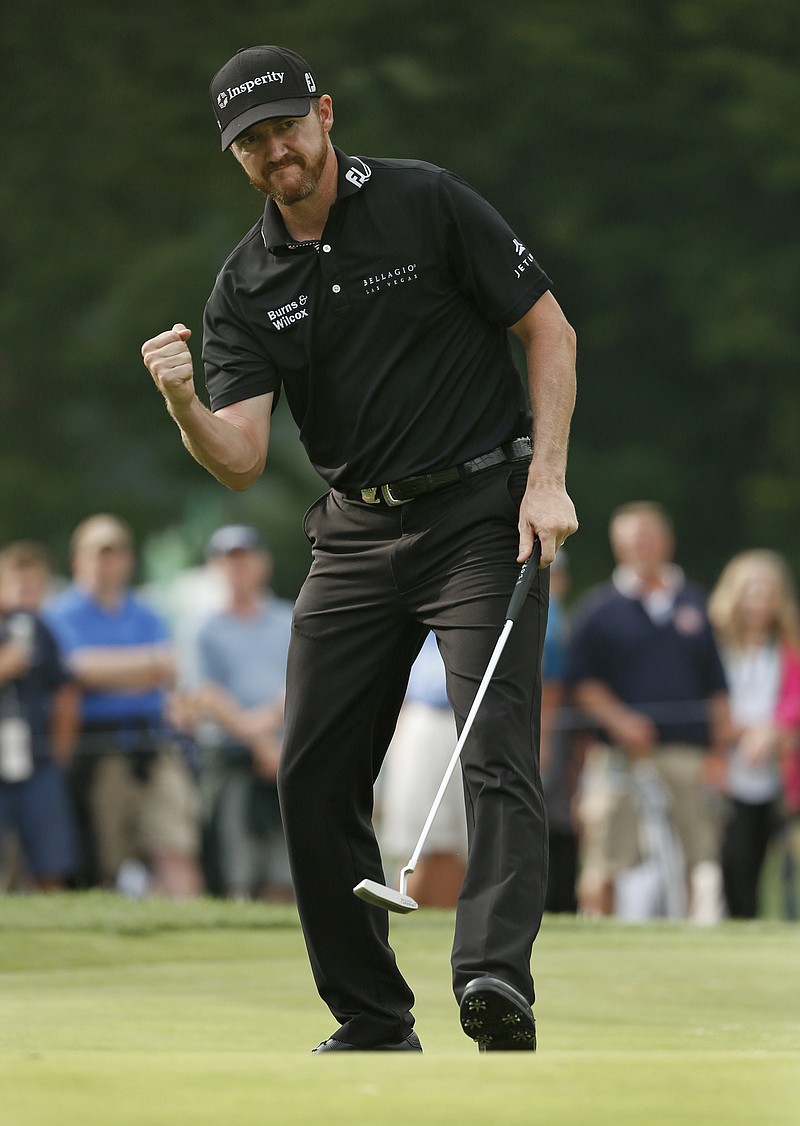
{"x": 139, "y": 752}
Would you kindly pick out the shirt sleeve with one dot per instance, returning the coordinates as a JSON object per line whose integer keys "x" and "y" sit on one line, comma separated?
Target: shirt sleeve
{"x": 54, "y": 671}
{"x": 489, "y": 263}
{"x": 717, "y": 680}
{"x": 787, "y": 711}
{"x": 554, "y": 654}
{"x": 209, "y": 666}
{"x": 63, "y": 630}
{"x": 236, "y": 368}
{"x": 155, "y": 628}
{"x": 584, "y": 649}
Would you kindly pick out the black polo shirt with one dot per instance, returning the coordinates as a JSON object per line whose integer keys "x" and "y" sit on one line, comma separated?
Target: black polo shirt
{"x": 389, "y": 336}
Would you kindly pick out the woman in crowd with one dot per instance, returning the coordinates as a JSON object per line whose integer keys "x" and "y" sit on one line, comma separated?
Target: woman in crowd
{"x": 788, "y": 718}
{"x": 754, "y": 611}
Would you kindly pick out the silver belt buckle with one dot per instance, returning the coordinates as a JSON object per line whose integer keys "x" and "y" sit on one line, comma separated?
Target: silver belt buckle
{"x": 393, "y": 502}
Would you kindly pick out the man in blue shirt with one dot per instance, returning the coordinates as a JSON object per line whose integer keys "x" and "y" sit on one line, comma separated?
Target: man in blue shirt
{"x": 241, "y": 669}
{"x": 135, "y": 794}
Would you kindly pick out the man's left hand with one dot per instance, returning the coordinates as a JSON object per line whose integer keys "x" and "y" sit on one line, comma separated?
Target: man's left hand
{"x": 547, "y": 512}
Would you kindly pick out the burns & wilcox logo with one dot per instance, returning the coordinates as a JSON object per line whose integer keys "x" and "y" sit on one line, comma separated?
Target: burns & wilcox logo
{"x": 289, "y": 314}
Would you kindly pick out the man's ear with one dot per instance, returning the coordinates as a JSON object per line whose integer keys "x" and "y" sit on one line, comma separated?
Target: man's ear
{"x": 326, "y": 112}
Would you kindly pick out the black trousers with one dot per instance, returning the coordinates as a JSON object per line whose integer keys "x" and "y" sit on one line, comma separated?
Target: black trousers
{"x": 382, "y": 577}
{"x": 748, "y": 831}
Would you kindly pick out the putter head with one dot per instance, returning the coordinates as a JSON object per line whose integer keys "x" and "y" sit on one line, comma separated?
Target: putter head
{"x": 380, "y": 896}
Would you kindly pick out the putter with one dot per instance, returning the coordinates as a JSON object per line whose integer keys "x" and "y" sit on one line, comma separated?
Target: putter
{"x": 380, "y": 895}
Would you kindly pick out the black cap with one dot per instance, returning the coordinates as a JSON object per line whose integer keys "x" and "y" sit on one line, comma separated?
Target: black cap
{"x": 234, "y": 537}
{"x": 257, "y": 83}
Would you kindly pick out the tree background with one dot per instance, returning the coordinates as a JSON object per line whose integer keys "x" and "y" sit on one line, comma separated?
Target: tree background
{"x": 647, "y": 150}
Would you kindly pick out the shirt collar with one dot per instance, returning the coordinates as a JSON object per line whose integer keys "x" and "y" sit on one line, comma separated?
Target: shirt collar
{"x": 630, "y": 585}
{"x": 658, "y": 603}
{"x": 353, "y": 174}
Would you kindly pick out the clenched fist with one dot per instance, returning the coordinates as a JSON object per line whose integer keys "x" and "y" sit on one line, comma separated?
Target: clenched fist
{"x": 169, "y": 361}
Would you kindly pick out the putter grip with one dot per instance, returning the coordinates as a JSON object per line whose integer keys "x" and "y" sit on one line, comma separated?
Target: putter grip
{"x": 523, "y": 584}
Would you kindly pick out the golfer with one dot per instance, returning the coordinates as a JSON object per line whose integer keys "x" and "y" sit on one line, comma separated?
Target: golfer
{"x": 378, "y": 295}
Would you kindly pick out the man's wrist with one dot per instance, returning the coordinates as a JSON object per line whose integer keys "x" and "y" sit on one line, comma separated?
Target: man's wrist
{"x": 182, "y": 411}
{"x": 539, "y": 474}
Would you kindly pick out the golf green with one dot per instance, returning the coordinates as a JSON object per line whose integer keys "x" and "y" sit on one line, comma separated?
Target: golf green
{"x": 115, "y": 1013}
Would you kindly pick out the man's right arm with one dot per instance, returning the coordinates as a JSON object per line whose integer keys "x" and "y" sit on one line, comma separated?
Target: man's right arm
{"x": 231, "y": 443}
{"x": 123, "y": 668}
{"x": 634, "y": 732}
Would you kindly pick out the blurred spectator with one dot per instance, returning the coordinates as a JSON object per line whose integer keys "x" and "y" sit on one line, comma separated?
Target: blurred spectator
{"x": 558, "y": 752}
{"x": 135, "y": 797}
{"x": 241, "y": 667}
{"x": 754, "y": 611}
{"x": 647, "y": 671}
{"x": 788, "y": 718}
{"x": 417, "y": 758}
{"x": 38, "y": 721}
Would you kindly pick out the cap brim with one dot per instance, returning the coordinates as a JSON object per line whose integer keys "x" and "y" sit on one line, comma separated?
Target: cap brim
{"x": 292, "y": 107}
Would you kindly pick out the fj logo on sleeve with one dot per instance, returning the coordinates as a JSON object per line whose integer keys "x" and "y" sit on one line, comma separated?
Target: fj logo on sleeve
{"x": 358, "y": 176}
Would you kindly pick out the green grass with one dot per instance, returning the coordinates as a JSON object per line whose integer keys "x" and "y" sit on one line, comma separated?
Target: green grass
{"x": 115, "y": 1013}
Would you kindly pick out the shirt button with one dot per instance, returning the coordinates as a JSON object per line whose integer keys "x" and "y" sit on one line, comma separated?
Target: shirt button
{"x": 327, "y": 248}
{"x": 336, "y": 288}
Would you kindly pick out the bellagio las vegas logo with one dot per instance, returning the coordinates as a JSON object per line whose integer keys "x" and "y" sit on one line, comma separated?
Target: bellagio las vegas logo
{"x": 400, "y": 275}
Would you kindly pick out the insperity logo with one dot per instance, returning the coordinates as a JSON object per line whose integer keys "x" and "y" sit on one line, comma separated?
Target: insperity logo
{"x": 249, "y": 86}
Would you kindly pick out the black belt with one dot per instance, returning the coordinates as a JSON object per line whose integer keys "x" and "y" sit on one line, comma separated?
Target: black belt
{"x": 400, "y": 492}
